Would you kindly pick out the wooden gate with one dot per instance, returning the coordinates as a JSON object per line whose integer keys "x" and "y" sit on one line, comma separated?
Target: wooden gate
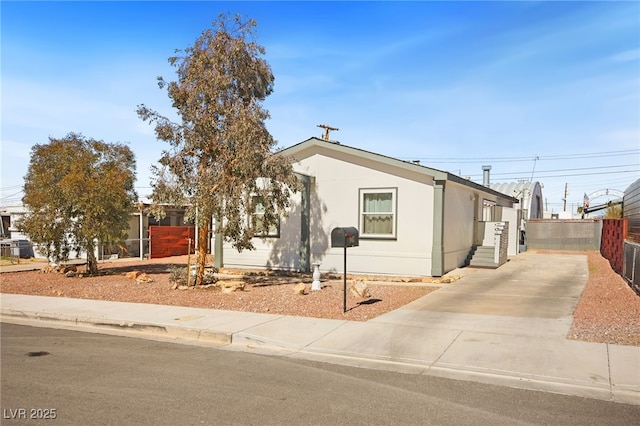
{"x": 168, "y": 241}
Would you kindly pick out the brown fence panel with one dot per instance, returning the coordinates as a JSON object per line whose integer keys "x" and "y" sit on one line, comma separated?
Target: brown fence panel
{"x": 168, "y": 241}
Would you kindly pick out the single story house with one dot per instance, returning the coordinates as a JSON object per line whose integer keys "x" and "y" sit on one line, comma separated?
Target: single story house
{"x": 136, "y": 245}
{"x": 412, "y": 220}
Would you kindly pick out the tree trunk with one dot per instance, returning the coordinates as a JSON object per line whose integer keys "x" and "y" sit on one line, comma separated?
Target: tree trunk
{"x": 203, "y": 236}
{"x": 92, "y": 262}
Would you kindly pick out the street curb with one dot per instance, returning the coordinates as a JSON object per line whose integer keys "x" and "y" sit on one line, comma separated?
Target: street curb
{"x": 122, "y": 328}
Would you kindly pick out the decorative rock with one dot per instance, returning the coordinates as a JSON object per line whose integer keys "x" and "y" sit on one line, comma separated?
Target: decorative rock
{"x": 68, "y": 268}
{"x": 231, "y": 286}
{"x": 48, "y": 269}
{"x": 144, "y": 278}
{"x": 132, "y": 275}
{"x": 300, "y": 289}
{"x": 448, "y": 280}
{"x": 360, "y": 289}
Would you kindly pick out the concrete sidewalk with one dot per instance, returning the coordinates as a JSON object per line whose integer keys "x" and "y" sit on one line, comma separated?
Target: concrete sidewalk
{"x": 504, "y": 327}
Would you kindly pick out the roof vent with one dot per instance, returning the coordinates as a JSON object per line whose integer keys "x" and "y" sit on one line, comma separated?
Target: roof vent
{"x": 485, "y": 175}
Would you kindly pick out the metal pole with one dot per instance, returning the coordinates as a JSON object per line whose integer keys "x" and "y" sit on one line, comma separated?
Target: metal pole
{"x": 189, "y": 264}
{"x": 344, "y": 287}
{"x": 141, "y": 236}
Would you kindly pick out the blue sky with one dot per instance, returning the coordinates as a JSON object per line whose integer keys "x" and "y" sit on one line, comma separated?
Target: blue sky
{"x": 453, "y": 84}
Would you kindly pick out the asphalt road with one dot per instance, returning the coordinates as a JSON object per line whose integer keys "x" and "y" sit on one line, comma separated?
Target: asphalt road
{"x": 81, "y": 378}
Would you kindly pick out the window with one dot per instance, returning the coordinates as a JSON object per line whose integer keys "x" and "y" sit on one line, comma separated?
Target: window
{"x": 488, "y": 210}
{"x": 378, "y": 213}
{"x": 257, "y": 218}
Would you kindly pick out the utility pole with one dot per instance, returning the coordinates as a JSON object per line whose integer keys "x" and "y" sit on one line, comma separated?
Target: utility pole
{"x": 536, "y": 158}
{"x": 326, "y": 130}
{"x": 564, "y": 209}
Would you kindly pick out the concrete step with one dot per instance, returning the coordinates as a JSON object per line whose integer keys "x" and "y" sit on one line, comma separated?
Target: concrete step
{"x": 484, "y": 256}
{"x": 483, "y": 264}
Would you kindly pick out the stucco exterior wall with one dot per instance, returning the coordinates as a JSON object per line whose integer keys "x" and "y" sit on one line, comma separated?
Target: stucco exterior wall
{"x": 281, "y": 252}
{"x": 334, "y": 202}
{"x": 337, "y": 185}
{"x": 460, "y": 209}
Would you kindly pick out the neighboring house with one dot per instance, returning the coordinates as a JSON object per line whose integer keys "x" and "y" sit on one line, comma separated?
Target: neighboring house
{"x": 531, "y": 204}
{"x": 412, "y": 220}
{"x": 9, "y": 216}
{"x": 136, "y": 245}
{"x": 9, "y": 232}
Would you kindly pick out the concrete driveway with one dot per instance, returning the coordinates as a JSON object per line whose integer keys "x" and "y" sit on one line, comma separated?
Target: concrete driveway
{"x": 532, "y": 294}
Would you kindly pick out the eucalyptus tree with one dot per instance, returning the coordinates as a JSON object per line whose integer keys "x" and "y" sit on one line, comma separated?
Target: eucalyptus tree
{"x": 77, "y": 192}
{"x": 220, "y": 163}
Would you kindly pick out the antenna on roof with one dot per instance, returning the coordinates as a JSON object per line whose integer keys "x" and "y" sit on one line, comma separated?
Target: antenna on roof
{"x": 326, "y": 130}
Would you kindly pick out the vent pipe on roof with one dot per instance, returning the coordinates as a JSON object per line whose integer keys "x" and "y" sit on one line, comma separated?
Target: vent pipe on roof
{"x": 485, "y": 175}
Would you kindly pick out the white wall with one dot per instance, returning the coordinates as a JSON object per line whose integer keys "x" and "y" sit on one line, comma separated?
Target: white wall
{"x": 338, "y": 182}
{"x": 276, "y": 253}
{"x": 459, "y": 210}
{"x": 335, "y": 203}
{"x": 511, "y": 215}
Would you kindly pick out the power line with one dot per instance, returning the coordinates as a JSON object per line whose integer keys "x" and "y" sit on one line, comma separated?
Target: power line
{"x": 9, "y": 196}
{"x": 521, "y": 176}
{"x": 10, "y": 188}
{"x": 525, "y": 158}
{"x": 560, "y": 170}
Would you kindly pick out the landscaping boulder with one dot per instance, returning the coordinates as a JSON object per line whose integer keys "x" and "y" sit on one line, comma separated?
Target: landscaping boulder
{"x": 300, "y": 289}
{"x": 360, "y": 289}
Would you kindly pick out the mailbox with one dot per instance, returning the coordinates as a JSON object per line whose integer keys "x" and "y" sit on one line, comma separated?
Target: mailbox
{"x": 344, "y": 237}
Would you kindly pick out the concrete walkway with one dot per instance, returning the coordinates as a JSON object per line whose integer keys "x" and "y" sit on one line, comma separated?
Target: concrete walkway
{"x": 504, "y": 327}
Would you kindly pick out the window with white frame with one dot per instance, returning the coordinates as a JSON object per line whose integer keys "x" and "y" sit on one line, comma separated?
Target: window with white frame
{"x": 378, "y": 212}
{"x": 257, "y": 218}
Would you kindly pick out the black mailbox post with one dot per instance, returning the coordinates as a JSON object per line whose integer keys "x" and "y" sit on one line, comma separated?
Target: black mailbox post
{"x": 345, "y": 237}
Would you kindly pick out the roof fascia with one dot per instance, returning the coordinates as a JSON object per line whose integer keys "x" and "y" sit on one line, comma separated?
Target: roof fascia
{"x": 417, "y": 168}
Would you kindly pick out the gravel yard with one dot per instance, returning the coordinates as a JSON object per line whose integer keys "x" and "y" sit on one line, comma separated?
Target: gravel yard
{"x": 608, "y": 311}
{"x": 264, "y": 292}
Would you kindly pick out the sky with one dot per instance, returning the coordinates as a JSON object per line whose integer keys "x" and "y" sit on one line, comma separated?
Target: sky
{"x": 541, "y": 91}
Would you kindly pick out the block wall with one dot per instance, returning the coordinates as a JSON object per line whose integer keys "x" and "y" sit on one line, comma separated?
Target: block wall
{"x": 614, "y": 232}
